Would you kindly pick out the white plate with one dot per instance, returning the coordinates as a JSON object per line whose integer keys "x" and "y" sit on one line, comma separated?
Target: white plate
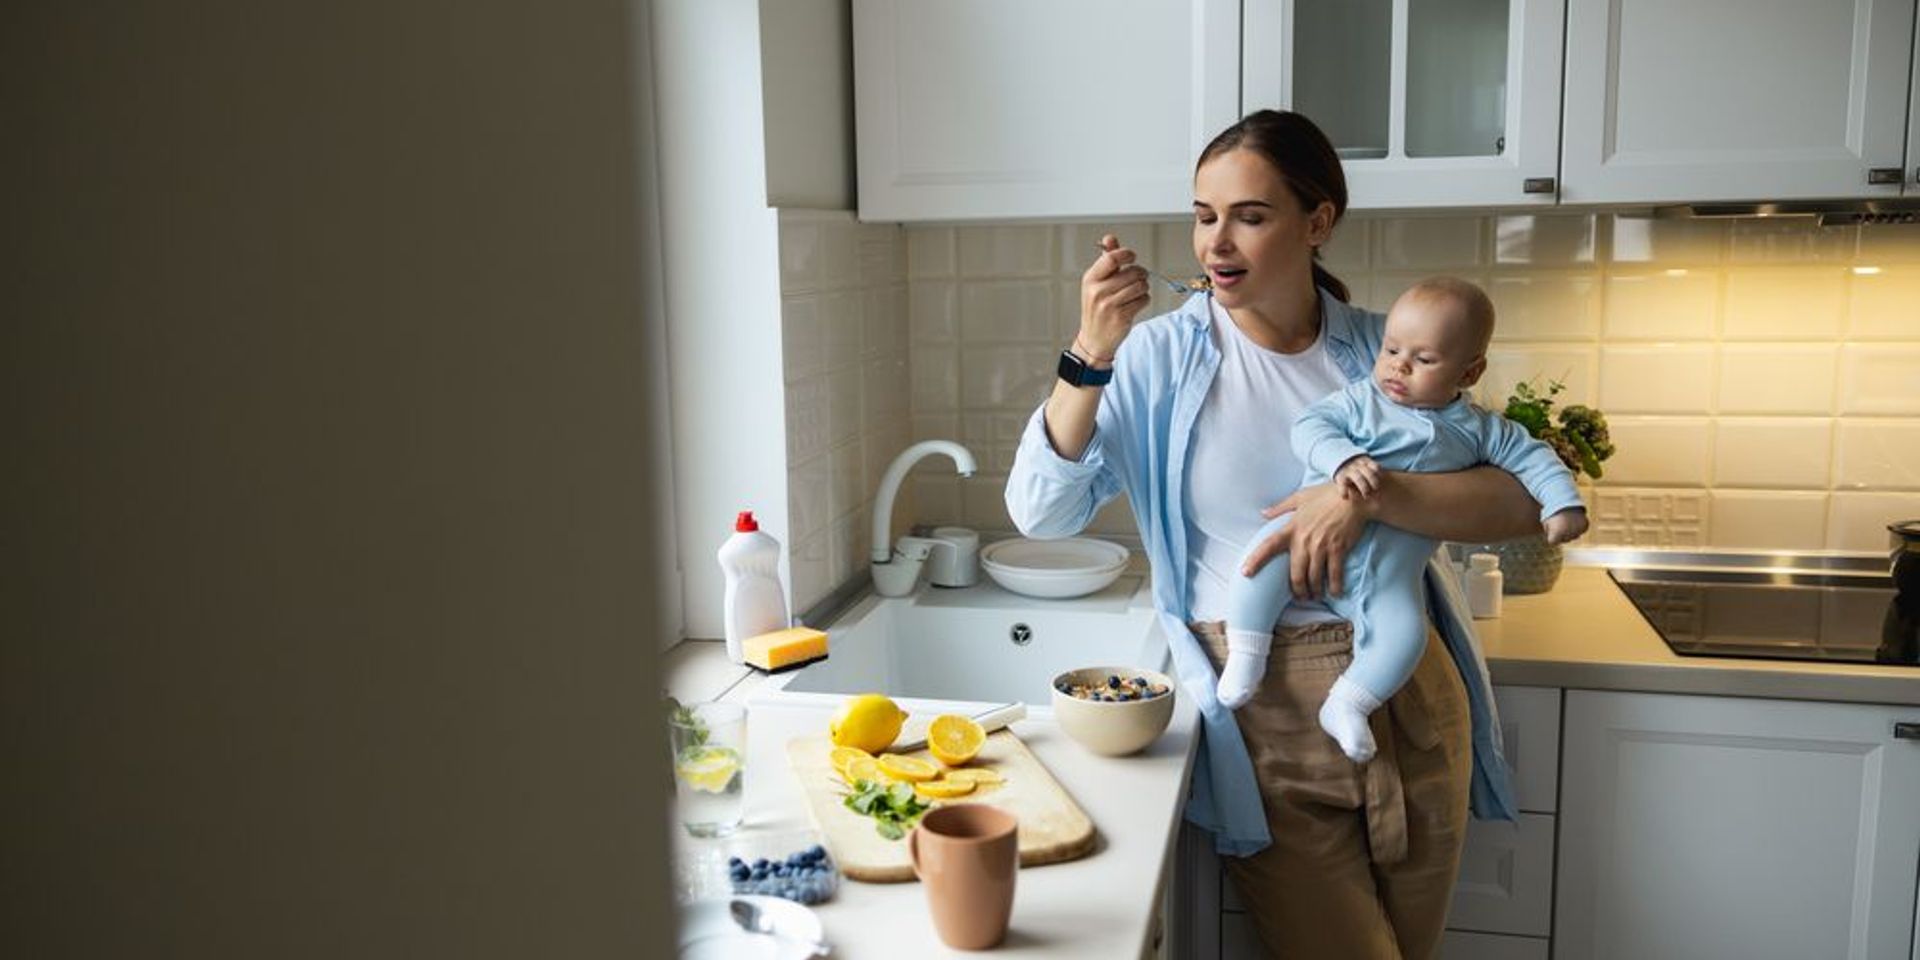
{"x": 707, "y": 931}
{"x": 1054, "y": 569}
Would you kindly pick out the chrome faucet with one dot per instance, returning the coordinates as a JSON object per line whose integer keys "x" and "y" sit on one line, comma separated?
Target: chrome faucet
{"x": 896, "y": 567}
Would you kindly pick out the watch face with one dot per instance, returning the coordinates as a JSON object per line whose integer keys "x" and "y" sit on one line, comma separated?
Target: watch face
{"x": 1076, "y": 372}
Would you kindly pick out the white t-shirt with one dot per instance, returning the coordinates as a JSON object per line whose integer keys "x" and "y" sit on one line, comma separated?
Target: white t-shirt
{"x": 1242, "y": 459}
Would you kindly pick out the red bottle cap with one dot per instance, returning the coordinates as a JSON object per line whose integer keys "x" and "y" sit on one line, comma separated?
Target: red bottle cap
{"x": 744, "y": 523}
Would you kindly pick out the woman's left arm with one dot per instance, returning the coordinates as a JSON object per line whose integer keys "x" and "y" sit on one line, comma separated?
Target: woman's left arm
{"x": 1477, "y": 505}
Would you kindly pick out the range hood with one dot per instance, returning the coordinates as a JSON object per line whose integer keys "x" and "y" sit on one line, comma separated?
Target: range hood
{"x": 1829, "y": 213}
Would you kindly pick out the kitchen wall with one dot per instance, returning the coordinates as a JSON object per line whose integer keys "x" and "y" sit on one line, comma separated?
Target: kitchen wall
{"x": 843, "y": 289}
{"x": 1762, "y": 378}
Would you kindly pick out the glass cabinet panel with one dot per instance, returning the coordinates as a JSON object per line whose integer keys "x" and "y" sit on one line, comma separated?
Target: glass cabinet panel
{"x": 1456, "y": 78}
{"x": 1342, "y": 71}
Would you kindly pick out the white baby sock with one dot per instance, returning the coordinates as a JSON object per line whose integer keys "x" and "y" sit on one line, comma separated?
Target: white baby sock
{"x": 1344, "y": 718}
{"x": 1246, "y": 664}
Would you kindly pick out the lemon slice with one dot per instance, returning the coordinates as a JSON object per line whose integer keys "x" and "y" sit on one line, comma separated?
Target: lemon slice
{"x": 907, "y": 768}
{"x": 943, "y": 789}
{"x": 954, "y": 739}
{"x": 976, "y": 775}
{"x": 862, "y": 768}
{"x": 841, "y": 756}
{"x": 710, "y": 770}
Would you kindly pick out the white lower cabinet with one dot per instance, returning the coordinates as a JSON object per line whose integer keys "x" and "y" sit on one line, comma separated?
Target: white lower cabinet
{"x": 1460, "y": 945}
{"x": 1700, "y": 827}
{"x": 1506, "y": 878}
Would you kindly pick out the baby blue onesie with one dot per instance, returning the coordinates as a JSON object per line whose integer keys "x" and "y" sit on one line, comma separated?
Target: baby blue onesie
{"x": 1383, "y": 570}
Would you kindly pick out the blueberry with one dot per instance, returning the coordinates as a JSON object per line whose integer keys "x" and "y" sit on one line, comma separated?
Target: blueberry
{"x": 817, "y": 852}
{"x": 734, "y": 861}
{"x": 1139, "y": 681}
{"x": 760, "y": 862}
{"x": 739, "y": 873}
{"x": 1113, "y": 682}
{"x": 758, "y": 873}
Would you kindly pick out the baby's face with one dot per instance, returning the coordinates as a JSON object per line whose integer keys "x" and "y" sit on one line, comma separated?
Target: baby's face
{"x": 1429, "y": 353}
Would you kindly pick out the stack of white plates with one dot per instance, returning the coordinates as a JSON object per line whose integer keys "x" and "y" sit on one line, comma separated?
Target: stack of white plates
{"x": 1054, "y": 569}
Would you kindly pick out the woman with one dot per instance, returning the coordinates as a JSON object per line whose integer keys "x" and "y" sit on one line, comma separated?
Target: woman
{"x": 1335, "y": 859}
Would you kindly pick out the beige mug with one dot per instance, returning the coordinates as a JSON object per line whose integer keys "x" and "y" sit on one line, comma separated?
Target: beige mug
{"x": 966, "y": 854}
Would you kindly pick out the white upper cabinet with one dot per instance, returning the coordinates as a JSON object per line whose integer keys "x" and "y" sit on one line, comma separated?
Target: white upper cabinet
{"x": 1689, "y": 100}
{"x": 1430, "y": 102}
{"x": 1913, "y": 190}
{"x": 996, "y": 109}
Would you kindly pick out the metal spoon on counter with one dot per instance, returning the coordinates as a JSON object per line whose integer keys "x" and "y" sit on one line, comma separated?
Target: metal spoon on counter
{"x": 752, "y": 920}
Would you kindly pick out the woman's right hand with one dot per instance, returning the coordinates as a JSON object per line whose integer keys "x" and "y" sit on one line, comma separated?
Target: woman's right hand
{"x": 1112, "y": 293}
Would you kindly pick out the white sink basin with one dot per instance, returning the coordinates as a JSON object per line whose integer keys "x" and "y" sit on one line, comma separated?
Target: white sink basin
{"x": 963, "y": 645}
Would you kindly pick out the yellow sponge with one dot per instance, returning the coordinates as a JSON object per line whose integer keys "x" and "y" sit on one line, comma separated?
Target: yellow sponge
{"x": 787, "y": 649}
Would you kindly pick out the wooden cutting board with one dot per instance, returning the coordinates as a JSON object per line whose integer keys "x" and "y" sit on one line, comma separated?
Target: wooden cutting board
{"x": 1052, "y": 827}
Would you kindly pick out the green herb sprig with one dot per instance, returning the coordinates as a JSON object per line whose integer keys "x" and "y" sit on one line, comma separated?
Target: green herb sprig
{"x": 894, "y": 808}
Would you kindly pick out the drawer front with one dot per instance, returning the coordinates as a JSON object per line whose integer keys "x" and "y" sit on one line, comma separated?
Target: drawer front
{"x": 1530, "y": 730}
{"x": 1459, "y": 945}
{"x": 1506, "y": 878}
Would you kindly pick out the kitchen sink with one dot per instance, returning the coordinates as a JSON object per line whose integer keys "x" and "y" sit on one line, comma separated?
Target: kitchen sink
{"x": 979, "y": 644}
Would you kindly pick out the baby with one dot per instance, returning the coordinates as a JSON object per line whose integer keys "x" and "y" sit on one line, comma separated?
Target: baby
{"x": 1412, "y": 415}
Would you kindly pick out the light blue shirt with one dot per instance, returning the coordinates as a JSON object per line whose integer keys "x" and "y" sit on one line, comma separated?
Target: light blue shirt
{"x": 1362, "y": 420}
{"x": 1142, "y": 436}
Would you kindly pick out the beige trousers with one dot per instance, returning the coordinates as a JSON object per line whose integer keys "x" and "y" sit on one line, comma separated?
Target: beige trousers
{"x": 1364, "y": 855}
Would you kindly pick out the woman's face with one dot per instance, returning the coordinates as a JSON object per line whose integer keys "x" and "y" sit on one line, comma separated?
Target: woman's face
{"x": 1249, "y": 232}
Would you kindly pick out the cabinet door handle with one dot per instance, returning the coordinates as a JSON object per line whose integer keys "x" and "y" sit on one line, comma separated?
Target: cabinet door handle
{"x": 1537, "y": 185}
{"x": 1884, "y": 175}
{"x": 1906, "y": 731}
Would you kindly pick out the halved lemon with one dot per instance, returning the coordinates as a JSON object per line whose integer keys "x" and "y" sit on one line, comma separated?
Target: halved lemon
{"x": 907, "y": 768}
{"x": 862, "y": 768}
{"x": 842, "y": 755}
{"x": 954, "y": 739}
{"x": 976, "y": 775}
{"x": 943, "y": 789}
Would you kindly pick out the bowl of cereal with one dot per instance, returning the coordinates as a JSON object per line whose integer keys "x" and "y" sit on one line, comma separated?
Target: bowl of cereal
{"x": 1113, "y": 711}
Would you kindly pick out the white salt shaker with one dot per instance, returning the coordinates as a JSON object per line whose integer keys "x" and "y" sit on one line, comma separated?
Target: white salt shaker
{"x": 1484, "y": 585}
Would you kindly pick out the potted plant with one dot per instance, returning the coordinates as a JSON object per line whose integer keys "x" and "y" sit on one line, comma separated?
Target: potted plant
{"x": 1578, "y": 434}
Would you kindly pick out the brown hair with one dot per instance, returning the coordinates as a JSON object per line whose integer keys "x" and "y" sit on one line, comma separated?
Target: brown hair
{"x": 1306, "y": 162}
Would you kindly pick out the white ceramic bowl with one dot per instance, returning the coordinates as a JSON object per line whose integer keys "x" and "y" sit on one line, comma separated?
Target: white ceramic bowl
{"x": 1054, "y": 569}
{"x": 1108, "y": 727}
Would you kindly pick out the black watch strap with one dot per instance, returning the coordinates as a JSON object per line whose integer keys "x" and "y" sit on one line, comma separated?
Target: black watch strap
{"x": 1077, "y": 372}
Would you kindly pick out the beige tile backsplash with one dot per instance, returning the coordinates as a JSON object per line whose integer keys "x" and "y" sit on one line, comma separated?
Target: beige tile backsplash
{"x": 1763, "y": 377}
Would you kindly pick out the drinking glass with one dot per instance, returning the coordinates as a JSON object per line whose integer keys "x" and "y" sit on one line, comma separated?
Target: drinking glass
{"x": 709, "y": 743}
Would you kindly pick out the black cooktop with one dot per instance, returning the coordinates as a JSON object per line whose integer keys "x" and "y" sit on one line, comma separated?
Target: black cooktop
{"x": 1768, "y": 615}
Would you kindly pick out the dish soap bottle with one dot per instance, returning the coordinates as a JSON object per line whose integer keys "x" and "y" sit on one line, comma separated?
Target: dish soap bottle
{"x": 1485, "y": 583}
{"x": 755, "y": 600}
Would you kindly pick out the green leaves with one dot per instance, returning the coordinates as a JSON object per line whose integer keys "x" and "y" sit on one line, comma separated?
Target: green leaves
{"x": 894, "y": 808}
{"x": 1580, "y": 438}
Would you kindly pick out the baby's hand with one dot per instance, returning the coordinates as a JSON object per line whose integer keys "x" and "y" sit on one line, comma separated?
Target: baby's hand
{"x": 1566, "y": 525}
{"x": 1359, "y": 478}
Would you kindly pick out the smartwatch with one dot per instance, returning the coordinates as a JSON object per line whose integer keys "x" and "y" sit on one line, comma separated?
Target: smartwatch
{"x": 1079, "y": 373}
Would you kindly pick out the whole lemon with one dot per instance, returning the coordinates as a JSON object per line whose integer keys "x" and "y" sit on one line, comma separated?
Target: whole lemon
{"x": 869, "y": 721}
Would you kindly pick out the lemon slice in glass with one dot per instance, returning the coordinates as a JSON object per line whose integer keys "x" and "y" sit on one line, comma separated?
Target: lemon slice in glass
{"x": 709, "y": 769}
{"x": 911, "y": 769}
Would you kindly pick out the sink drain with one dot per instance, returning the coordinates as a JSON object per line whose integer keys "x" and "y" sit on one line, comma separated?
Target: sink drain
{"x": 1021, "y": 634}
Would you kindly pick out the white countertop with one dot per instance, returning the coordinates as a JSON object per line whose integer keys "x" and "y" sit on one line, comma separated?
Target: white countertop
{"x": 1100, "y": 906}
